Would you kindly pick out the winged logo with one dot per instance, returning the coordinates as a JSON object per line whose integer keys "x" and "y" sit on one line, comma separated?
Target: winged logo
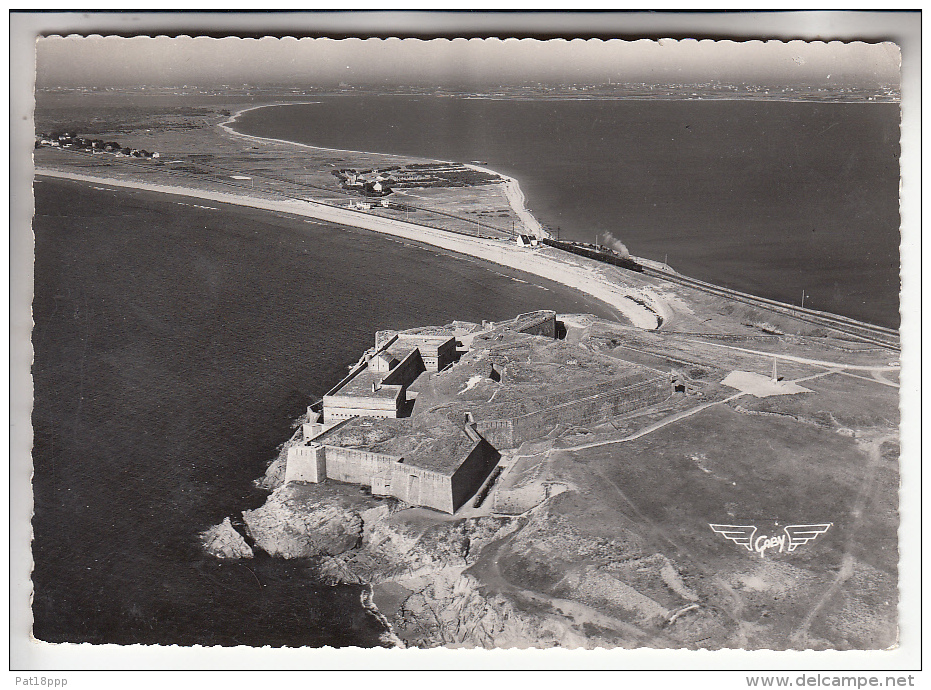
{"x": 793, "y": 537}
{"x": 802, "y": 534}
{"x": 742, "y": 535}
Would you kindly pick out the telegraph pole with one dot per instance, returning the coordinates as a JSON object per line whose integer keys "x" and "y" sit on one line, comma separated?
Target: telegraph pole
{"x": 803, "y": 299}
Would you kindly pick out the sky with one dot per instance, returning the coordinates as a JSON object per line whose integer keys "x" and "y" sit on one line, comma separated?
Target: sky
{"x": 114, "y": 61}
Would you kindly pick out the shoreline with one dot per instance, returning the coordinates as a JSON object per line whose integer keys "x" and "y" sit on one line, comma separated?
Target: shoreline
{"x": 629, "y": 300}
{"x": 512, "y": 190}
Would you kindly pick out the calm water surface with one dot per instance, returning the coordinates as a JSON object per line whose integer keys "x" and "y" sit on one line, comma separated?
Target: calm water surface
{"x": 768, "y": 197}
{"x": 173, "y": 346}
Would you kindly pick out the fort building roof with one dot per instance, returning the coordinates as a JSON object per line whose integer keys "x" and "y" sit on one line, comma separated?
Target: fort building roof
{"x": 366, "y": 384}
{"x": 441, "y": 448}
{"x": 424, "y": 342}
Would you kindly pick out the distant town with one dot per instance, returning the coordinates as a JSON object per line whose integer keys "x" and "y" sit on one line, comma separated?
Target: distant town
{"x": 74, "y": 142}
{"x": 608, "y": 90}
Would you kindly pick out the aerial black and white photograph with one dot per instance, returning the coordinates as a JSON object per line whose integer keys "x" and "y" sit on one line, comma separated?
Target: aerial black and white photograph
{"x": 465, "y": 343}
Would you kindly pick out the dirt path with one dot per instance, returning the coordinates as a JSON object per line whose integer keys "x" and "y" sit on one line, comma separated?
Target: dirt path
{"x": 737, "y": 608}
{"x": 488, "y": 572}
{"x": 882, "y": 379}
{"x": 656, "y": 425}
{"x": 800, "y": 635}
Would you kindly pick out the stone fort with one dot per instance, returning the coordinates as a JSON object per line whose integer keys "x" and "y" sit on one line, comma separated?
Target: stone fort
{"x": 410, "y": 420}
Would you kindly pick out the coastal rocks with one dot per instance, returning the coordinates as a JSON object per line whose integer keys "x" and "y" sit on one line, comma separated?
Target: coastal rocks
{"x": 223, "y": 541}
{"x": 451, "y": 610}
{"x": 274, "y": 475}
{"x": 296, "y": 523}
{"x": 334, "y": 571}
{"x": 388, "y": 638}
{"x": 394, "y": 549}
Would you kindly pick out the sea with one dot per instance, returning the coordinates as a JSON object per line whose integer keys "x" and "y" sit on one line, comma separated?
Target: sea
{"x": 175, "y": 341}
{"x": 770, "y": 197}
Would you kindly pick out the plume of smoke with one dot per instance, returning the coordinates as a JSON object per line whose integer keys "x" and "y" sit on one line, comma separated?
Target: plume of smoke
{"x": 609, "y": 240}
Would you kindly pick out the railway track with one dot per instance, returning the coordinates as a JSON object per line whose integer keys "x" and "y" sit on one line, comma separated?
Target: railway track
{"x": 878, "y": 335}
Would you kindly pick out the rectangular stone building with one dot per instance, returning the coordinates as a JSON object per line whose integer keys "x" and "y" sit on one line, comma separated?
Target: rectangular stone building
{"x": 442, "y": 478}
{"x": 378, "y": 388}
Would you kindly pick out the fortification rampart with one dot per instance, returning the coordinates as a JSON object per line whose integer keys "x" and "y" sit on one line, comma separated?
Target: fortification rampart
{"x": 356, "y": 466}
{"x": 473, "y": 471}
{"x": 337, "y": 407}
{"x": 593, "y": 409}
{"x": 306, "y": 464}
{"x": 438, "y": 352}
{"x": 388, "y": 475}
{"x": 422, "y": 487}
{"x": 536, "y": 403}
{"x": 537, "y": 323}
{"x": 406, "y": 371}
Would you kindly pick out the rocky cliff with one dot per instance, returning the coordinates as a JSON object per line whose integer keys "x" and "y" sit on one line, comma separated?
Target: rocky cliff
{"x": 297, "y": 523}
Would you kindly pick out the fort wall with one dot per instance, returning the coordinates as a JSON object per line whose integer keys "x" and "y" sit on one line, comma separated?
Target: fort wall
{"x": 537, "y": 323}
{"x": 438, "y": 352}
{"x": 422, "y": 487}
{"x": 306, "y": 464}
{"x": 407, "y": 371}
{"x": 336, "y": 408}
{"x": 594, "y": 409}
{"x": 473, "y": 471}
{"x": 388, "y": 475}
{"x": 356, "y": 466}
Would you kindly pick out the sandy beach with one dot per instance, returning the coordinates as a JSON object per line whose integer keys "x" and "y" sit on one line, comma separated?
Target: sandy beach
{"x": 628, "y": 300}
{"x": 517, "y": 201}
{"x": 628, "y": 297}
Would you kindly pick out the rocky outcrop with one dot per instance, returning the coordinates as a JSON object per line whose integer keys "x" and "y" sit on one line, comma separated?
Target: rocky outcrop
{"x": 395, "y": 551}
{"x": 223, "y": 541}
{"x": 274, "y": 475}
{"x": 298, "y": 523}
{"x": 451, "y": 610}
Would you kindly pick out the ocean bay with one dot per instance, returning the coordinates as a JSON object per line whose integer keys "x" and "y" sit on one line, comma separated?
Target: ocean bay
{"x": 174, "y": 345}
{"x": 769, "y": 197}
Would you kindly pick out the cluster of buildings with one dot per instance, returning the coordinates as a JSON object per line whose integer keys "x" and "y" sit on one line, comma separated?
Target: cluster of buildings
{"x": 370, "y": 184}
{"x": 447, "y": 465}
{"x": 70, "y": 141}
{"x": 367, "y": 432}
{"x": 367, "y": 204}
